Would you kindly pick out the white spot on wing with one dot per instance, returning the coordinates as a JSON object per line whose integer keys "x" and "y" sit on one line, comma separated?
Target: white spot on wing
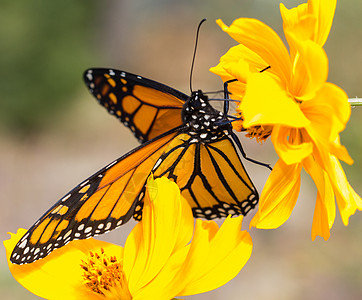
{"x": 157, "y": 164}
{"x": 66, "y": 197}
{"x": 109, "y": 224}
{"x": 67, "y": 234}
{"x": 111, "y": 164}
{"x": 23, "y": 244}
{"x": 84, "y": 183}
{"x": 89, "y": 75}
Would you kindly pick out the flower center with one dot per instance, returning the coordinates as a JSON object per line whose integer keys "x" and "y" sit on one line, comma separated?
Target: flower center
{"x": 259, "y": 132}
{"x": 104, "y": 275}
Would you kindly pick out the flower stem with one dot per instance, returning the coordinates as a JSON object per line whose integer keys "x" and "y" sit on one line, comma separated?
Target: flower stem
{"x": 355, "y": 101}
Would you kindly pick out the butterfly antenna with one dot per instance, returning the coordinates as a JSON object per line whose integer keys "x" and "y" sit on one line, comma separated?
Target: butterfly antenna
{"x": 193, "y": 58}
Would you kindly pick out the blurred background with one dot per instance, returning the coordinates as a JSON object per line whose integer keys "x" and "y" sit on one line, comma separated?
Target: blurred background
{"x": 53, "y": 134}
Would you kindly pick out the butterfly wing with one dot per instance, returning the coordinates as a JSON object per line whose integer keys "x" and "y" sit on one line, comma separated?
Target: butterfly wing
{"x": 208, "y": 171}
{"x": 210, "y": 175}
{"x": 101, "y": 203}
{"x": 145, "y": 106}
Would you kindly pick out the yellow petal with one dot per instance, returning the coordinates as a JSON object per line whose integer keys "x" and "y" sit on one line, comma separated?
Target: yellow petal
{"x": 292, "y": 18}
{"x": 320, "y": 220}
{"x": 338, "y": 102}
{"x": 59, "y": 275}
{"x": 323, "y": 10}
{"x": 266, "y": 102}
{"x": 167, "y": 224}
{"x": 236, "y": 88}
{"x": 325, "y": 208}
{"x": 299, "y": 22}
{"x": 328, "y": 112}
{"x": 237, "y": 63}
{"x": 347, "y": 199}
{"x": 214, "y": 259}
{"x": 163, "y": 285}
{"x": 220, "y": 70}
{"x": 340, "y": 151}
{"x": 290, "y": 152}
{"x": 239, "y": 70}
{"x": 240, "y": 52}
{"x": 298, "y": 19}
{"x": 310, "y": 69}
{"x": 278, "y": 197}
{"x": 263, "y": 41}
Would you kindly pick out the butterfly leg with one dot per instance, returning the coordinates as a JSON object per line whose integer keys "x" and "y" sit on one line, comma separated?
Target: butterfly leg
{"x": 226, "y": 95}
{"x": 231, "y": 133}
{"x": 237, "y": 142}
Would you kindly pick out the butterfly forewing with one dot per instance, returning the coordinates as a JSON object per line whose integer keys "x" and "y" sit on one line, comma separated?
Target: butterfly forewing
{"x": 101, "y": 203}
{"x": 145, "y": 106}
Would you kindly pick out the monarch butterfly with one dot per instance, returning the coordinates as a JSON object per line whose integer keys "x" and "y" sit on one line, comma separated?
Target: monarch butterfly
{"x": 184, "y": 138}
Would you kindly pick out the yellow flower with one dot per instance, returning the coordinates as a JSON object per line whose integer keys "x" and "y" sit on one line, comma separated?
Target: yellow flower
{"x": 286, "y": 95}
{"x": 157, "y": 262}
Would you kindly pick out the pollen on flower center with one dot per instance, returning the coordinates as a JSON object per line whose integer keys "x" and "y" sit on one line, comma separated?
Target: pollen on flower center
{"x": 104, "y": 275}
{"x": 261, "y": 133}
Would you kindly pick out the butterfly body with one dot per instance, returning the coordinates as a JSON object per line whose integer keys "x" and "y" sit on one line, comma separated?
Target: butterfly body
{"x": 204, "y": 123}
{"x": 183, "y": 137}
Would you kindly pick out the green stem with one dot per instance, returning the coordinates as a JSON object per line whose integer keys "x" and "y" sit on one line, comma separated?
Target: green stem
{"x": 355, "y": 101}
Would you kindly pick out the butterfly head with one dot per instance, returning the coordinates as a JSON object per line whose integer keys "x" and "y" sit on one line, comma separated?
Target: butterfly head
{"x": 204, "y": 121}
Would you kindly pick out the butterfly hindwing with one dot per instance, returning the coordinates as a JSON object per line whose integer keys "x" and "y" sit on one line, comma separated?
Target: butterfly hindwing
{"x": 210, "y": 176}
{"x": 145, "y": 106}
{"x": 104, "y": 201}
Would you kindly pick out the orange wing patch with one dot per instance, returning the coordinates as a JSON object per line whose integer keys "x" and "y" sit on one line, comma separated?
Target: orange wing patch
{"x": 156, "y": 98}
